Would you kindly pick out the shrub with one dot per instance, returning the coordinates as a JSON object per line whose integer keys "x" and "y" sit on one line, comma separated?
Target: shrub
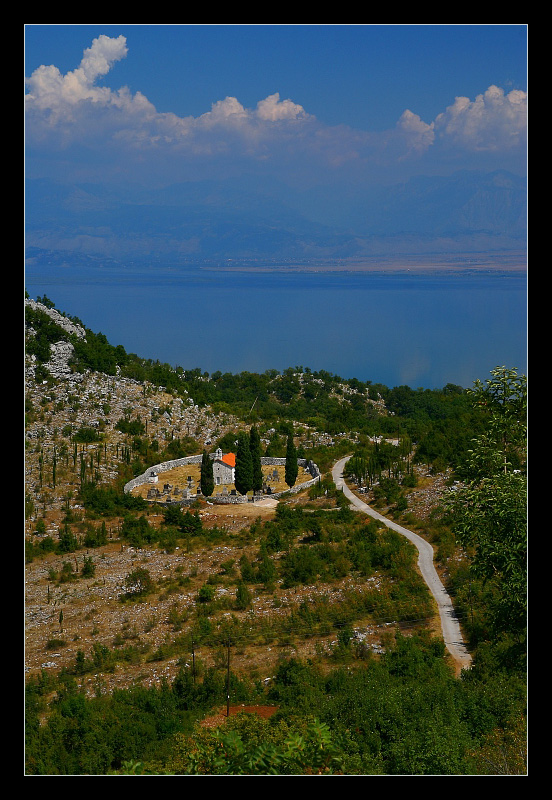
{"x": 139, "y": 583}
{"x": 205, "y": 594}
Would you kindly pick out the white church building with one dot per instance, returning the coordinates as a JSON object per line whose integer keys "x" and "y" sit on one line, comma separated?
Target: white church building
{"x": 224, "y": 468}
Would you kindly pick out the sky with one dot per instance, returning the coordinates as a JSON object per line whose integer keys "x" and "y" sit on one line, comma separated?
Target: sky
{"x": 308, "y": 104}
{"x": 309, "y": 118}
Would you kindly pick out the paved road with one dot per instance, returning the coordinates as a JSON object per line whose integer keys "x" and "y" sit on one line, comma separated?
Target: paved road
{"x": 452, "y": 634}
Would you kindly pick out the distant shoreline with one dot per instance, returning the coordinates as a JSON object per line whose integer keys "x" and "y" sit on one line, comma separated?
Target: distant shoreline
{"x": 453, "y": 266}
{"x": 514, "y": 263}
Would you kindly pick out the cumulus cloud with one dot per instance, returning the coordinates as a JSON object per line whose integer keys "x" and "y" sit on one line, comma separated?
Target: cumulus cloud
{"x": 419, "y": 134}
{"x": 56, "y": 100}
{"x": 73, "y": 109}
{"x": 274, "y": 109}
{"x": 50, "y": 90}
{"x": 65, "y": 109}
{"x": 493, "y": 121}
{"x": 227, "y": 110}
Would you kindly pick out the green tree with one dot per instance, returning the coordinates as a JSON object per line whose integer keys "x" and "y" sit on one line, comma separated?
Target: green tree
{"x": 86, "y": 435}
{"x": 255, "y": 448}
{"x": 251, "y": 746}
{"x": 205, "y": 594}
{"x": 207, "y": 481}
{"x": 244, "y": 465}
{"x": 68, "y": 542}
{"x": 504, "y": 398}
{"x": 243, "y": 596}
{"x": 139, "y": 583}
{"x": 88, "y": 569}
{"x": 292, "y": 469}
{"x": 185, "y": 521}
{"x": 137, "y": 531}
{"x": 490, "y": 510}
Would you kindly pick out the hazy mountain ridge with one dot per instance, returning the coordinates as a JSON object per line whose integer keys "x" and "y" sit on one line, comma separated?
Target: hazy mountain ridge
{"x": 468, "y": 212}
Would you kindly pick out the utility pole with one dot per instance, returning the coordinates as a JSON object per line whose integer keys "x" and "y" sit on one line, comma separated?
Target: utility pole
{"x": 228, "y": 681}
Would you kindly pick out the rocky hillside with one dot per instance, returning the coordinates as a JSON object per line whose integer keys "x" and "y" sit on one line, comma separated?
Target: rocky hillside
{"x": 62, "y": 402}
{"x": 84, "y": 423}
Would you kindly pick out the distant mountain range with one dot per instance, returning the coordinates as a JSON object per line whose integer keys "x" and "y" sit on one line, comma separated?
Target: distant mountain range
{"x": 264, "y": 221}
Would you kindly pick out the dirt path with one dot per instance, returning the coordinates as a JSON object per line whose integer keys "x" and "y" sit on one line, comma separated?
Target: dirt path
{"x": 450, "y": 626}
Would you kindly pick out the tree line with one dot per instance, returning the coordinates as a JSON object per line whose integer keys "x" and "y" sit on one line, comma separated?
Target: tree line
{"x": 402, "y": 714}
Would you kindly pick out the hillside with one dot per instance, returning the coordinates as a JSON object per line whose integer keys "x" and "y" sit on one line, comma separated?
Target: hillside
{"x": 122, "y": 594}
{"x": 92, "y": 404}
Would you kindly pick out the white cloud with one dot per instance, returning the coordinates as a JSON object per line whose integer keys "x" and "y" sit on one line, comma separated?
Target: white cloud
{"x": 64, "y": 96}
{"x": 229, "y": 109}
{"x": 49, "y": 89}
{"x": 493, "y": 121}
{"x": 99, "y": 58}
{"x": 273, "y": 109}
{"x": 419, "y": 134}
{"x": 73, "y": 109}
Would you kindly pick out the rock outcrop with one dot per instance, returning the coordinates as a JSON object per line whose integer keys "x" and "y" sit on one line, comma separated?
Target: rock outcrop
{"x": 61, "y": 352}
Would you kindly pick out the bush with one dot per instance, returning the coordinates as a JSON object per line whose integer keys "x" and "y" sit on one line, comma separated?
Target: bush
{"x": 205, "y": 594}
{"x": 139, "y": 583}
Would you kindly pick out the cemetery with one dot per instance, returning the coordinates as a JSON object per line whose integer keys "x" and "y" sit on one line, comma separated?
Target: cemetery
{"x": 178, "y": 481}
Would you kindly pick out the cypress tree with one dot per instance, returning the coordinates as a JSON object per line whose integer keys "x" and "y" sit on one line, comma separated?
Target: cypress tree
{"x": 206, "y": 480}
{"x": 243, "y": 596}
{"x": 244, "y": 465}
{"x": 292, "y": 469}
{"x": 255, "y": 448}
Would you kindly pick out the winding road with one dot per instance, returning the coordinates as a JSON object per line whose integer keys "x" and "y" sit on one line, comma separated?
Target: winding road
{"x": 452, "y": 634}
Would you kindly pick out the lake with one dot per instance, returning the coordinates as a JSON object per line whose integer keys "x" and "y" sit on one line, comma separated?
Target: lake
{"x": 422, "y": 330}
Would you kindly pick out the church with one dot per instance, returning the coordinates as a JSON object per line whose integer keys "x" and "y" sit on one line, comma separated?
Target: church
{"x": 224, "y": 468}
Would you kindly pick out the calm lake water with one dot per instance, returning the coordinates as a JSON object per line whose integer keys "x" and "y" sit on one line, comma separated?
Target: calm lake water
{"x": 415, "y": 329}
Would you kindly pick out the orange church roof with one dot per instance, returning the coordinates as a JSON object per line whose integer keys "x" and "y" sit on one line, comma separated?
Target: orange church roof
{"x": 230, "y": 459}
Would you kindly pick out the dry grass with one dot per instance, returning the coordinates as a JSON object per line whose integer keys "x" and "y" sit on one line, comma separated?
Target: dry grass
{"x": 94, "y": 614}
{"x": 178, "y": 477}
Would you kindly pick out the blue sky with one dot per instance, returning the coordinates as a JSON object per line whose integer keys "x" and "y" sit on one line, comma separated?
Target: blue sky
{"x": 178, "y": 144}
{"x": 155, "y": 103}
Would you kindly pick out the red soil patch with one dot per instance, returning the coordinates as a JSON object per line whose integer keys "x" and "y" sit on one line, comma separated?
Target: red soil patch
{"x": 262, "y": 711}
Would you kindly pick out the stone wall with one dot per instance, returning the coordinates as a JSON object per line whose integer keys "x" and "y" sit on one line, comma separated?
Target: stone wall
{"x": 294, "y": 489}
{"x": 165, "y": 466}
